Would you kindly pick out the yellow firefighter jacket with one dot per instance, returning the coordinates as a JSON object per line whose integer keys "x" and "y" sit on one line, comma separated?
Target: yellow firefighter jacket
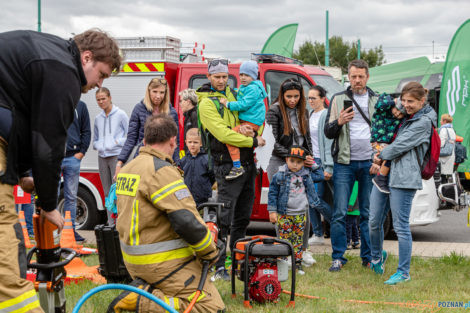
{"x": 159, "y": 226}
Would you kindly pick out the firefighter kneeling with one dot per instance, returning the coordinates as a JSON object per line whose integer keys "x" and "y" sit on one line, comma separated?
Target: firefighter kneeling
{"x": 163, "y": 238}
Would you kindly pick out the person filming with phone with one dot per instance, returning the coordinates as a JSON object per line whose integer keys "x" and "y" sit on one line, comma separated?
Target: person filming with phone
{"x": 348, "y": 124}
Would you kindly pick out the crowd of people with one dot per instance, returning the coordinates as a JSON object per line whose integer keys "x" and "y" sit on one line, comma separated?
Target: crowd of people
{"x": 358, "y": 138}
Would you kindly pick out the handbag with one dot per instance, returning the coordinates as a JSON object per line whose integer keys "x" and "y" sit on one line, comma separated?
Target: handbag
{"x": 448, "y": 148}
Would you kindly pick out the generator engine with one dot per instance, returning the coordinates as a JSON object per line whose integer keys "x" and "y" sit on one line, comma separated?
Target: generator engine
{"x": 256, "y": 264}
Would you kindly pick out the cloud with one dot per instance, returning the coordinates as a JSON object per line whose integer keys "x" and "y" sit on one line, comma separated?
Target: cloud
{"x": 234, "y": 29}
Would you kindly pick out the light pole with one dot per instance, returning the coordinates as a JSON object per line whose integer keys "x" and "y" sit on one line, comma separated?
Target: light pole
{"x": 39, "y": 15}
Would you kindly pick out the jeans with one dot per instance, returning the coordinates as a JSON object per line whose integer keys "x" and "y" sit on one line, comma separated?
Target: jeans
{"x": 352, "y": 233}
{"x": 343, "y": 181}
{"x": 71, "y": 174}
{"x": 324, "y": 208}
{"x": 379, "y": 207}
{"x": 238, "y": 196}
{"x": 400, "y": 204}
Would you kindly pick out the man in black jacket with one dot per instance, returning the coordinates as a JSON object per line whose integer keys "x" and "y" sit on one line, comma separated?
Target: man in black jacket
{"x": 78, "y": 141}
{"x": 41, "y": 78}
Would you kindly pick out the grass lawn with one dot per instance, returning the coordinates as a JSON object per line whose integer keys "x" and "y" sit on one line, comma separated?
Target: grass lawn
{"x": 432, "y": 280}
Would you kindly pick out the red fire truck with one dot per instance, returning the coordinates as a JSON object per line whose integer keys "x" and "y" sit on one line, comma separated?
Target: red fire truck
{"x": 147, "y": 58}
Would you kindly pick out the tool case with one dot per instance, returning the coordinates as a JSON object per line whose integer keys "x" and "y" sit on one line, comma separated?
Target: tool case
{"x": 109, "y": 252}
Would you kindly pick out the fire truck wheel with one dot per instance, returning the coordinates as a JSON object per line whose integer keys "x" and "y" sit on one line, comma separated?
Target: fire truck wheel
{"x": 87, "y": 212}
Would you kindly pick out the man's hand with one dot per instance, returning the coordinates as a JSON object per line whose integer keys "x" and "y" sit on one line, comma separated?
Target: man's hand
{"x": 223, "y": 101}
{"x": 273, "y": 217}
{"x": 247, "y": 130}
{"x": 345, "y": 116}
{"x": 261, "y": 141}
{"x": 309, "y": 161}
{"x": 79, "y": 155}
{"x": 117, "y": 170}
{"x": 54, "y": 217}
{"x": 374, "y": 169}
{"x": 27, "y": 184}
{"x": 327, "y": 175}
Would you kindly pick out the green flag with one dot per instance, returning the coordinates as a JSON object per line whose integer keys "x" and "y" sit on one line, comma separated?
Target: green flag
{"x": 281, "y": 41}
{"x": 454, "y": 98}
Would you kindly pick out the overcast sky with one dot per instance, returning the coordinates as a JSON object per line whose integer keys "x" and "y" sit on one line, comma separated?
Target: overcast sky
{"x": 405, "y": 29}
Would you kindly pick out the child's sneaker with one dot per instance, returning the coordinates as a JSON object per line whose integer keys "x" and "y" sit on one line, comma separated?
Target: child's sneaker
{"x": 299, "y": 270}
{"x": 235, "y": 172}
{"x": 307, "y": 259}
{"x": 356, "y": 245}
{"x": 381, "y": 182}
{"x": 397, "y": 278}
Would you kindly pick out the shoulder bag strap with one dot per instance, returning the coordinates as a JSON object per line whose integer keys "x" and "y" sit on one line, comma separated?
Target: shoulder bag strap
{"x": 359, "y": 109}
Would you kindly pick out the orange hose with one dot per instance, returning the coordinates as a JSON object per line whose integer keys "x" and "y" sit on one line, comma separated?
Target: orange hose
{"x": 403, "y": 304}
{"x": 193, "y": 302}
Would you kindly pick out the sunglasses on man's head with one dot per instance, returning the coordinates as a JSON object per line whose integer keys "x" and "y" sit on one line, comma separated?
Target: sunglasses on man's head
{"x": 217, "y": 61}
{"x": 159, "y": 80}
{"x": 291, "y": 85}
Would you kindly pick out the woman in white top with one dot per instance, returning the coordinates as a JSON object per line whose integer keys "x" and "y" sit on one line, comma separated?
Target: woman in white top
{"x": 321, "y": 148}
{"x": 447, "y": 135}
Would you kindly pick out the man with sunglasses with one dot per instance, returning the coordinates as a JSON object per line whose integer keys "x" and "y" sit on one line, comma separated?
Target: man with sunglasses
{"x": 348, "y": 124}
{"x": 217, "y": 122}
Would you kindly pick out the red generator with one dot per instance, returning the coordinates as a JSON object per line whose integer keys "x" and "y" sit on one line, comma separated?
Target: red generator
{"x": 256, "y": 264}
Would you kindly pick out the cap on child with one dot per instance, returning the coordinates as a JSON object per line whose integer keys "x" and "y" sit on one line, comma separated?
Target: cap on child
{"x": 297, "y": 152}
{"x": 249, "y": 68}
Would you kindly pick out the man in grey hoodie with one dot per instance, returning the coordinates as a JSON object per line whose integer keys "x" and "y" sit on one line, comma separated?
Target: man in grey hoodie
{"x": 109, "y": 136}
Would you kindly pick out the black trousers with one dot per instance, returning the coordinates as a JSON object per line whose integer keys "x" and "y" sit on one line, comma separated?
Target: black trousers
{"x": 238, "y": 196}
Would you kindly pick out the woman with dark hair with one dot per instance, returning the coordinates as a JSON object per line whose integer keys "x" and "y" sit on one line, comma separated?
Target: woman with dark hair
{"x": 321, "y": 149}
{"x": 289, "y": 120}
{"x": 156, "y": 101}
{"x": 406, "y": 154}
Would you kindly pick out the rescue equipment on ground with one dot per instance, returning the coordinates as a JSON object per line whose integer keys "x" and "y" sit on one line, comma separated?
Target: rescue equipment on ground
{"x": 256, "y": 264}
{"x": 50, "y": 262}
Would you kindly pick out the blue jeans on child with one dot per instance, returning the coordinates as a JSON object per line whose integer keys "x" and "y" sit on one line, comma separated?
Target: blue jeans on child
{"x": 352, "y": 232}
{"x": 344, "y": 177}
{"x": 71, "y": 175}
{"x": 400, "y": 204}
{"x": 324, "y": 209}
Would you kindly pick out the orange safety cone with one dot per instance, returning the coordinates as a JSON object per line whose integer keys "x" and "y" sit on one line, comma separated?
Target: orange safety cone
{"x": 67, "y": 238}
{"x": 27, "y": 242}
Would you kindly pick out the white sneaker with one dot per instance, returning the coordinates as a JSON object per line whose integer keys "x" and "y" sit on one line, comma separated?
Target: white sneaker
{"x": 314, "y": 240}
{"x": 307, "y": 259}
{"x": 289, "y": 262}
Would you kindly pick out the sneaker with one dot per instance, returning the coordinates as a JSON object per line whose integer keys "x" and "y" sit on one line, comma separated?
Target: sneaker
{"x": 235, "y": 172}
{"x": 315, "y": 240}
{"x": 78, "y": 237}
{"x": 366, "y": 263}
{"x": 307, "y": 259}
{"x": 381, "y": 182}
{"x": 336, "y": 266}
{"x": 397, "y": 278}
{"x": 348, "y": 247}
{"x": 356, "y": 245}
{"x": 299, "y": 270}
{"x": 221, "y": 273}
{"x": 379, "y": 267}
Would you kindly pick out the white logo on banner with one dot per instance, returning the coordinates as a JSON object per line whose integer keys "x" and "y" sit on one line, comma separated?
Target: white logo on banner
{"x": 453, "y": 90}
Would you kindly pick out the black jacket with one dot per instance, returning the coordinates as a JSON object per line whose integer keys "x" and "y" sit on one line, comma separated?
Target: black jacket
{"x": 79, "y": 133}
{"x": 190, "y": 121}
{"x": 284, "y": 142}
{"x": 40, "y": 82}
{"x": 197, "y": 176}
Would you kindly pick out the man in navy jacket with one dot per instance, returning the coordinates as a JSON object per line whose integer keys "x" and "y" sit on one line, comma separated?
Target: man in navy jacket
{"x": 78, "y": 141}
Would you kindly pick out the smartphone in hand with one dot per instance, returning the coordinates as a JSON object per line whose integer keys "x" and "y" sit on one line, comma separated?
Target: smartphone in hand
{"x": 347, "y": 104}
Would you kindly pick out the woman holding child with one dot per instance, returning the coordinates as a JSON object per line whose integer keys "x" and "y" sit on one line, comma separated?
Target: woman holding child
{"x": 406, "y": 154}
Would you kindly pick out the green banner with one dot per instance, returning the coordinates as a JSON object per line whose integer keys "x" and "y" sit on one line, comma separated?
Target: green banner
{"x": 281, "y": 41}
{"x": 454, "y": 98}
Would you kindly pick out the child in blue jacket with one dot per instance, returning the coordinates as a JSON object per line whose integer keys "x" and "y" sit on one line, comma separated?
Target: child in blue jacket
{"x": 250, "y": 107}
{"x": 291, "y": 194}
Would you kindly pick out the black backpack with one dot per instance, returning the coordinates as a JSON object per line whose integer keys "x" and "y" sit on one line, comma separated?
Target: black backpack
{"x": 460, "y": 153}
